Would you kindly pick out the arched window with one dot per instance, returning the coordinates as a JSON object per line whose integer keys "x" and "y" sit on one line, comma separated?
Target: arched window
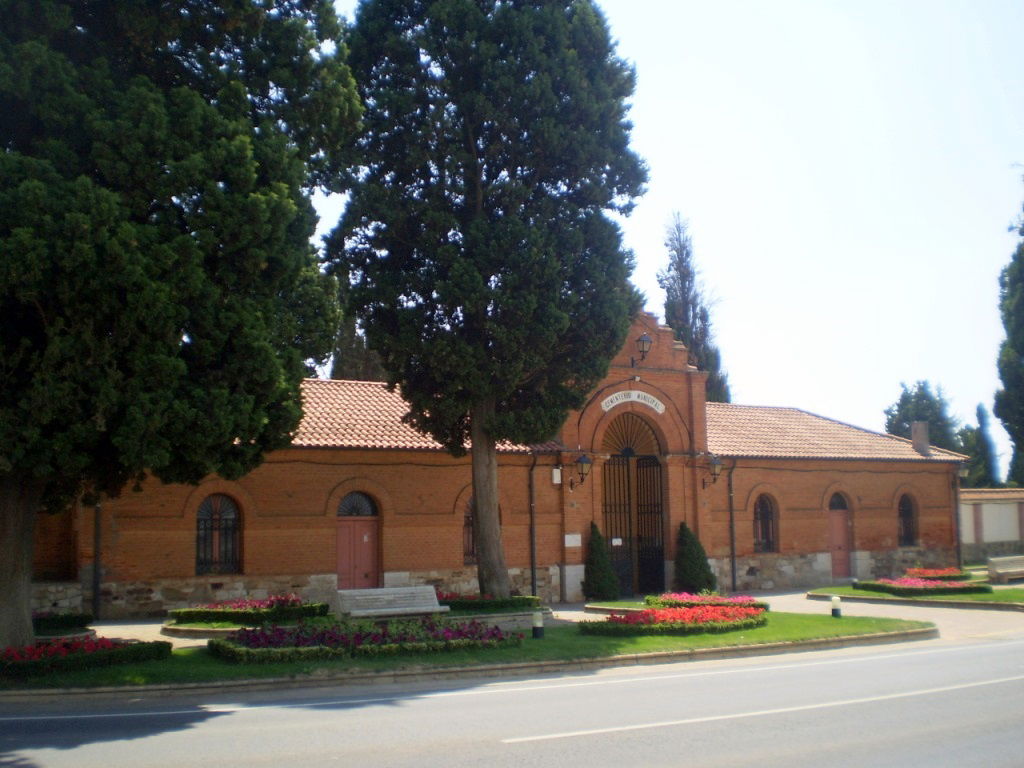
{"x": 218, "y": 535}
{"x": 838, "y": 501}
{"x": 765, "y": 525}
{"x": 357, "y": 505}
{"x": 907, "y": 521}
{"x": 468, "y": 541}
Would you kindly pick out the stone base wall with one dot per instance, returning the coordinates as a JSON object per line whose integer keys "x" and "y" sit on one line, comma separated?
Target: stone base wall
{"x": 771, "y": 571}
{"x": 892, "y": 563}
{"x": 58, "y": 597}
{"x": 776, "y": 572}
{"x": 156, "y": 597}
{"x": 979, "y": 553}
{"x": 463, "y": 581}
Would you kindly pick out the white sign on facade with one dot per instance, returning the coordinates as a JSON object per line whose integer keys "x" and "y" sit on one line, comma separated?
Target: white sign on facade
{"x": 573, "y": 540}
{"x": 632, "y": 396}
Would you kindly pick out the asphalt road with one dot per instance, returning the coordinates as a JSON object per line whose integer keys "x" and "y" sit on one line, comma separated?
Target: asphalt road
{"x": 953, "y": 701}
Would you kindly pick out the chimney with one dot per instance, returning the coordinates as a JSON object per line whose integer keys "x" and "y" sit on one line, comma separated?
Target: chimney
{"x": 919, "y": 437}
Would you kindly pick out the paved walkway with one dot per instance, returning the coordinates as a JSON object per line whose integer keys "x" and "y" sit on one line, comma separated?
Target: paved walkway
{"x": 953, "y": 623}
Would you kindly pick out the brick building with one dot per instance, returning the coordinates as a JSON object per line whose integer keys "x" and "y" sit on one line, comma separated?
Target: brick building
{"x": 779, "y": 497}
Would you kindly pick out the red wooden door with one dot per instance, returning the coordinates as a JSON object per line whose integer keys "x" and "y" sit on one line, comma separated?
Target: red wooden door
{"x": 839, "y": 535}
{"x": 358, "y": 558}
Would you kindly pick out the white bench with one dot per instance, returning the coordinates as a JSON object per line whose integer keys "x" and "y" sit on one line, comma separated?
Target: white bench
{"x": 389, "y": 601}
{"x": 1002, "y": 569}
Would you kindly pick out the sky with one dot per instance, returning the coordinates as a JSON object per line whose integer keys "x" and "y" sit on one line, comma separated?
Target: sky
{"x": 849, "y": 172}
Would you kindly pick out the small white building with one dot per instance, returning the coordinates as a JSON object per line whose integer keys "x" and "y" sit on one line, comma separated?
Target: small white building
{"x": 991, "y": 523}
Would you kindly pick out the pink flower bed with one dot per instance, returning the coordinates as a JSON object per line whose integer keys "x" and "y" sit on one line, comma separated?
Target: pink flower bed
{"x": 918, "y": 583}
{"x": 690, "y": 600}
{"x": 246, "y": 604}
{"x": 933, "y": 573}
{"x": 698, "y": 614}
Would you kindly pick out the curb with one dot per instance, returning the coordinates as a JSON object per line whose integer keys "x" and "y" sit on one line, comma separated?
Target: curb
{"x": 969, "y": 604}
{"x": 485, "y": 670}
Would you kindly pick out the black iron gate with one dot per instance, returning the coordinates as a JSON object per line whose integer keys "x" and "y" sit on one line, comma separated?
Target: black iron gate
{"x": 634, "y": 522}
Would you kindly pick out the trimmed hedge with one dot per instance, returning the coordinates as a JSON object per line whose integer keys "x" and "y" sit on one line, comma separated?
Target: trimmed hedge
{"x": 253, "y": 617}
{"x": 60, "y": 623}
{"x": 129, "y": 653}
{"x": 239, "y": 654}
{"x": 613, "y": 629}
{"x": 658, "y": 601}
{"x": 492, "y": 605}
{"x": 894, "y": 589}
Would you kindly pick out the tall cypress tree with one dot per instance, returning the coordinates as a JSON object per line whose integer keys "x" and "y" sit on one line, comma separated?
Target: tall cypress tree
{"x": 693, "y": 571}
{"x": 687, "y": 312}
{"x": 487, "y": 272}
{"x": 351, "y": 359}
{"x": 982, "y": 467}
{"x": 1009, "y": 404}
{"x": 158, "y": 293}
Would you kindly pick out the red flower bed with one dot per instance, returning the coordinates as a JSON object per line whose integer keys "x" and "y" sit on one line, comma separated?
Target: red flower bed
{"x": 686, "y": 620}
{"x": 58, "y": 648}
{"x": 69, "y": 655}
{"x": 951, "y": 574}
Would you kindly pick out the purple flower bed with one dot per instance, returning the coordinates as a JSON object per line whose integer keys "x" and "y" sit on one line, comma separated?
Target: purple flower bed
{"x": 359, "y": 638}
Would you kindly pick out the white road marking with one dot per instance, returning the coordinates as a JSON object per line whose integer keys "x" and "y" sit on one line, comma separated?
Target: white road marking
{"x": 510, "y": 686}
{"x": 761, "y": 712}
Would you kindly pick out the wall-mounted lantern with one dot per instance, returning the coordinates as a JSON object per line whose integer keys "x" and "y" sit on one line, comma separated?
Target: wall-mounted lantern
{"x": 583, "y": 467}
{"x": 643, "y": 346}
{"x": 714, "y": 469}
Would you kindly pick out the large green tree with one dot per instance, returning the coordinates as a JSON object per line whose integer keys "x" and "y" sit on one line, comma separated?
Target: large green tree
{"x": 159, "y": 297}
{"x": 1009, "y": 404}
{"x": 687, "y": 311}
{"x": 976, "y": 442}
{"x": 919, "y": 403}
{"x": 487, "y": 272}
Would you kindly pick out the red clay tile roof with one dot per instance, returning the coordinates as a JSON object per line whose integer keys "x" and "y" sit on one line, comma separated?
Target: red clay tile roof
{"x": 991, "y": 494}
{"x": 364, "y": 414}
{"x": 768, "y": 432}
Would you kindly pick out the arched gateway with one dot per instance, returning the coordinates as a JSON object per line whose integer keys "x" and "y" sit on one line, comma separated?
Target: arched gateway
{"x": 634, "y": 518}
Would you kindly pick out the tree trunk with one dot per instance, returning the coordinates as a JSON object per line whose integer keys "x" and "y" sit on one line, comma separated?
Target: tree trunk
{"x": 490, "y": 555}
{"x": 19, "y": 503}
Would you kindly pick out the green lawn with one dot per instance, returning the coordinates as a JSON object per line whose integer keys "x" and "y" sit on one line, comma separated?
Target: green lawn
{"x": 1012, "y": 595}
{"x": 561, "y": 643}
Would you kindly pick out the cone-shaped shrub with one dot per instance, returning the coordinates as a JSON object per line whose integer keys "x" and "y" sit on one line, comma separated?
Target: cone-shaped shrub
{"x": 693, "y": 573}
{"x": 599, "y": 579}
